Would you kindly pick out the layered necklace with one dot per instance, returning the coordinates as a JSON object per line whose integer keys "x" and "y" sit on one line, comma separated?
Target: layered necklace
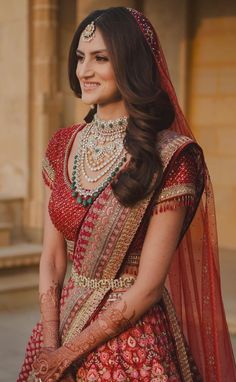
{"x": 101, "y": 151}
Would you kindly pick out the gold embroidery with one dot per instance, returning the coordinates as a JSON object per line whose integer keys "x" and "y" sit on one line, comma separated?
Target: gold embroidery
{"x": 69, "y": 246}
{"x": 179, "y": 340}
{"x": 85, "y": 313}
{"x": 176, "y": 191}
{"x": 102, "y": 236}
{"x": 132, "y": 219}
{"x": 116, "y": 245}
{"x": 132, "y": 259}
{"x": 48, "y": 170}
{"x": 86, "y": 282}
{"x": 169, "y": 142}
{"x": 130, "y": 226}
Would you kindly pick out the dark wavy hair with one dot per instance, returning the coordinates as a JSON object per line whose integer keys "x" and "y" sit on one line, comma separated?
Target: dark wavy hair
{"x": 148, "y": 105}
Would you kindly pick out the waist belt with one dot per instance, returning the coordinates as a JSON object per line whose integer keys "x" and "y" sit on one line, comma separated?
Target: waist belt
{"x": 86, "y": 282}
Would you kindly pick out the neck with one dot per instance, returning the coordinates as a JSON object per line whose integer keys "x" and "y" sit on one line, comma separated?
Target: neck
{"x": 112, "y": 111}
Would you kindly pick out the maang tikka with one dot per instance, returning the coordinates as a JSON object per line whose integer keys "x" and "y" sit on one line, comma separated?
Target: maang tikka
{"x": 89, "y": 32}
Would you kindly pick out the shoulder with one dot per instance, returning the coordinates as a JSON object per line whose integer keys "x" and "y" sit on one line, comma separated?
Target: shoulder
{"x": 62, "y": 135}
{"x": 59, "y": 141}
{"x": 183, "y": 168}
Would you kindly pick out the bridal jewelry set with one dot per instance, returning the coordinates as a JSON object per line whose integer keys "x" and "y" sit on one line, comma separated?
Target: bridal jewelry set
{"x": 100, "y": 153}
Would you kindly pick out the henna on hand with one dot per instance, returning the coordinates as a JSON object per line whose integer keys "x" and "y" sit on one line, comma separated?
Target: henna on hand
{"x": 49, "y": 307}
{"x": 50, "y": 366}
{"x": 110, "y": 323}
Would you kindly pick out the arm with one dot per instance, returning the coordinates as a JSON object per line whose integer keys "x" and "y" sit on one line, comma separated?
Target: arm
{"x": 155, "y": 261}
{"x": 51, "y": 276}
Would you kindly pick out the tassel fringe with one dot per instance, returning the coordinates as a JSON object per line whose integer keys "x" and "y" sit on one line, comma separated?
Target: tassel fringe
{"x": 174, "y": 203}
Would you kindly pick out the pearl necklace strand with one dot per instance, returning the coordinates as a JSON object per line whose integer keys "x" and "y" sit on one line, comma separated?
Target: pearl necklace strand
{"x": 101, "y": 150}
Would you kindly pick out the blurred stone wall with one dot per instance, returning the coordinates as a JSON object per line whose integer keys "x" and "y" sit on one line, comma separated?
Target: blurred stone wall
{"x": 14, "y": 71}
{"x": 212, "y": 102}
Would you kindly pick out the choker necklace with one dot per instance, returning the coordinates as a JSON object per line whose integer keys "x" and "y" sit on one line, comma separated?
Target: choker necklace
{"x": 99, "y": 157}
{"x": 111, "y": 126}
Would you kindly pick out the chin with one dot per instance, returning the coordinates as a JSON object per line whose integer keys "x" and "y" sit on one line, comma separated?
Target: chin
{"x": 89, "y": 100}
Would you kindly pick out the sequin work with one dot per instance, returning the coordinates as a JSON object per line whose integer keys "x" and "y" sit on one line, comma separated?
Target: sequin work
{"x": 147, "y": 30}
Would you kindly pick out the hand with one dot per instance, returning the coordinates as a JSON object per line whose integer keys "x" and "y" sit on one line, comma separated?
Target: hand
{"x": 49, "y": 366}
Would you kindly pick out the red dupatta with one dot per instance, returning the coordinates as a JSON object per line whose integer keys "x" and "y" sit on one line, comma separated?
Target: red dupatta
{"x": 194, "y": 278}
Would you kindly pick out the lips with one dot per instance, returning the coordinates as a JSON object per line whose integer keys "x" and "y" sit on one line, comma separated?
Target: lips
{"x": 90, "y": 85}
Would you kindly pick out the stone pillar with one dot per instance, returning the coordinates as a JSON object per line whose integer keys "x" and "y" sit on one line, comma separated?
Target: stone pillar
{"x": 44, "y": 104}
{"x": 13, "y": 116}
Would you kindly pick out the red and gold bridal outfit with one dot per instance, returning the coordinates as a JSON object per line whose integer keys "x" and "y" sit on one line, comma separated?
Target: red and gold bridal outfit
{"x": 104, "y": 243}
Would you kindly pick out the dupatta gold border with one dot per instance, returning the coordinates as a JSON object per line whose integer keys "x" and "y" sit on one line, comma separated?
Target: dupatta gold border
{"x": 178, "y": 337}
{"x": 168, "y": 144}
{"x": 129, "y": 228}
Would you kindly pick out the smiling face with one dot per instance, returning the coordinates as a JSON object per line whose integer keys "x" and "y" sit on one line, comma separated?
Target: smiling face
{"x": 95, "y": 72}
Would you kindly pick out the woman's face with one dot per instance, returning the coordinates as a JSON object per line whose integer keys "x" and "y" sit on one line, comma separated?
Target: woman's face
{"x": 95, "y": 72}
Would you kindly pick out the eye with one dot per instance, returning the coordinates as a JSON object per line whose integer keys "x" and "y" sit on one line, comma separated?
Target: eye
{"x": 80, "y": 58}
{"x": 101, "y": 58}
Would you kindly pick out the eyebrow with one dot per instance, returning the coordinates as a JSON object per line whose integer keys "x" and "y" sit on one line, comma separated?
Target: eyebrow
{"x": 93, "y": 52}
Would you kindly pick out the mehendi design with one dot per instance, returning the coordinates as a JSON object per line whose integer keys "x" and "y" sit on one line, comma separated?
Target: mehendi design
{"x": 109, "y": 324}
{"x": 49, "y": 307}
{"x": 113, "y": 321}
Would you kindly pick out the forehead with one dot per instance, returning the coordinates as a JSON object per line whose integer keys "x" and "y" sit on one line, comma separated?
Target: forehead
{"x": 97, "y": 43}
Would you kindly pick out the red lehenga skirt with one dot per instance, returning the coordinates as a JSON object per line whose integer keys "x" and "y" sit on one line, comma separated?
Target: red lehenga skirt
{"x": 145, "y": 352}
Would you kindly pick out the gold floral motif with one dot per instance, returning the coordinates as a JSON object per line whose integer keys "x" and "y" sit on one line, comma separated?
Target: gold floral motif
{"x": 178, "y": 337}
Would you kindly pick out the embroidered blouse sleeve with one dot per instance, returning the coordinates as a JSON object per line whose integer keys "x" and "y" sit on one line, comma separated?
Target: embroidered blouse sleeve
{"x": 182, "y": 182}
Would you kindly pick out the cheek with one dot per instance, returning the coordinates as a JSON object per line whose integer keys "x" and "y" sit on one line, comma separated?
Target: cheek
{"x": 110, "y": 81}
{"x": 77, "y": 71}
{"x": 108, "y": 74}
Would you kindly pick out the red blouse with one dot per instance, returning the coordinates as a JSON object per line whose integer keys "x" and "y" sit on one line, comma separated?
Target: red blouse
{"x": 179, "y": 186}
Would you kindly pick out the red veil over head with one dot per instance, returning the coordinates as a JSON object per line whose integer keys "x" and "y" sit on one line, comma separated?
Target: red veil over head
{"x": 194, "y": 279}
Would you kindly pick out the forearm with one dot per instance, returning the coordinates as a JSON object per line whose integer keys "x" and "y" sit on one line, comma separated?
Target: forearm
{"x": 111, "y": 322}
{"x": 50, "y": 283}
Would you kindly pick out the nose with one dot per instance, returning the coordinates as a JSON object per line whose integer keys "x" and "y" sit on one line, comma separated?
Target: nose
{"x": 84, "y": 70}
